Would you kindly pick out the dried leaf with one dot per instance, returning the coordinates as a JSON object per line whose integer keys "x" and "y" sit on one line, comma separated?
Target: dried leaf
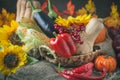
{"x": 90, "y": 7}
{"x": 70, "y": 8}
{"x": 44, "y": 5}
{"x": 114, "y": 12}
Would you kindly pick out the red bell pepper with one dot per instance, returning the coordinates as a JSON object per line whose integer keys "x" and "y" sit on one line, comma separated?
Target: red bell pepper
{"x": 69, "y": 42}
{"x": 63, "y": 45}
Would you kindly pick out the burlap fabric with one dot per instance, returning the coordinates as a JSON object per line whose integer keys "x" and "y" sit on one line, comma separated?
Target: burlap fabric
{"x": 41, "y": 70}
{"x": 106, "y": 46}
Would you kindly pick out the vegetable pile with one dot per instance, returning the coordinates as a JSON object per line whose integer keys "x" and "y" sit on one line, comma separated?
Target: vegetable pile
{"x": 67, "y": 37}
{"x": 69, "y": 34}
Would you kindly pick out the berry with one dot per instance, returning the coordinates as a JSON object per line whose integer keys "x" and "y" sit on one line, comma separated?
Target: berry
{"x": 60, "y": 29}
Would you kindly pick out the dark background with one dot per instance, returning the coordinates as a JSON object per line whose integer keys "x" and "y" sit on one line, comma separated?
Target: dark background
{"x": 102, "y": 6}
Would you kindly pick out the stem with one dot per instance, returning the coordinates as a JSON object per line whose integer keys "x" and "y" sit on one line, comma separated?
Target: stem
{"x": 51, "y": 13}
{"x": 106, "y": 56}
{"x": 55, "y": 34}
{"x": 5, "y": 77}
{"x": 59, "y": 66}
{"x": 49, "y": 6}
{"x": 33, "y": 8}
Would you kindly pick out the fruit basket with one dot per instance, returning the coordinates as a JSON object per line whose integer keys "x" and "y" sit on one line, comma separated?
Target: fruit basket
{"x": 73, "y": 61}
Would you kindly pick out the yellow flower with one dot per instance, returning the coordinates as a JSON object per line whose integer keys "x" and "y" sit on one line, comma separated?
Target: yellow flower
{"x": 62, "y": 21}
{"x": 73, "y": 20}
{"x": 6, "y": 31}
{"x": 4, "y": 43}
{"x": 11, "y": 59}
{"x": 6, "y": 18}
{"x": 83, "y": 19}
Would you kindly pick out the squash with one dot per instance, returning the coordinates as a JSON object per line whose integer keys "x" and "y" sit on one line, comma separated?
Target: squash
{"x": 106, "y": 61}
{"x": 102, "y": 36}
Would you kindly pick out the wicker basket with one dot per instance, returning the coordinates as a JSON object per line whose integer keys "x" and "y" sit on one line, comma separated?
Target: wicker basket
{"x": 73, "y": 61}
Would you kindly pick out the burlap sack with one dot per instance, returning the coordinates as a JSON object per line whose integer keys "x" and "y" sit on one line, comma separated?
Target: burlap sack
{"x": 39, "y": 71}
{"x": 106, "y": 46}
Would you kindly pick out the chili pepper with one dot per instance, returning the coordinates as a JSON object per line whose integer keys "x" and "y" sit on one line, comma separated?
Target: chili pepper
{"x": 84, "y": 72}
{"x": 43, "y": 21}
{"x": 68, "y": 77}
{"x": 60, "y": 46}
{"x": 63, "y": 45}
{"x": 88, "y": 77}
{"x": 70, "y": 42}
{"x": 83, "y": 68}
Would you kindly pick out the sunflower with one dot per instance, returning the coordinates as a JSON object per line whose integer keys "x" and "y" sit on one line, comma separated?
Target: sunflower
{"x": 8, "y": 33}
{"x": 11, "y": 59}
{"x": 6, "y": 18}
{"x": 73, "y": 20}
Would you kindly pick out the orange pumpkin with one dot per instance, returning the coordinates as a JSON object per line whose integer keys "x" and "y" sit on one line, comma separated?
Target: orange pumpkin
{"x": 106, "y": 61}
{"x": 102, "y": 36}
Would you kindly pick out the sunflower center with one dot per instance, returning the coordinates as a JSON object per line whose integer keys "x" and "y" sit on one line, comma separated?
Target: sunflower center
{"x": 14, "y": 38}
{"x": 11, "y": 60}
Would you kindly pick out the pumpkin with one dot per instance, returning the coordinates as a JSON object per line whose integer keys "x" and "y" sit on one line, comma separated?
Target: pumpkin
{"x": 101, "y": 37}
{"x": 106, "y": 61}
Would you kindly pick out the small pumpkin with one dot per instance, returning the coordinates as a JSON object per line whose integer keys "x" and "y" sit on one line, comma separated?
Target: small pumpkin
{"x": 101, "y": 37}
{"x": 106, "y": 61}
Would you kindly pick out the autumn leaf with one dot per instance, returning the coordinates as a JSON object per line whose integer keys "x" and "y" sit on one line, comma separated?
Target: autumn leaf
{"x": 56, "y": 10}
{"x": 81, "y": 11}
{"x": 114, "y": 11}
{"x": 44, "y": 5}
{"x": 90, "y": 6}
{"x": 70, "y": 8}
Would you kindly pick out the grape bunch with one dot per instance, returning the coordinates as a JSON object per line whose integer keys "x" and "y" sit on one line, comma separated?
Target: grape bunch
{"x": 60, "y": 29}
{"x": 73, "y": 31}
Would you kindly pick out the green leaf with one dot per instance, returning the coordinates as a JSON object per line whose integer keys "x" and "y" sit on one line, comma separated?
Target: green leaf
{"x": 31, "y": 60}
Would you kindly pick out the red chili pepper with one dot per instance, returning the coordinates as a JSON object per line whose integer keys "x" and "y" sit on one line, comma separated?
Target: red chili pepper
{"x": 83, "y": 68}
{"x": 68, "y": 77}
{"x": 84, "y": 73}
{"x": 88, "y": 77}
{"x": 63, "y": 45}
